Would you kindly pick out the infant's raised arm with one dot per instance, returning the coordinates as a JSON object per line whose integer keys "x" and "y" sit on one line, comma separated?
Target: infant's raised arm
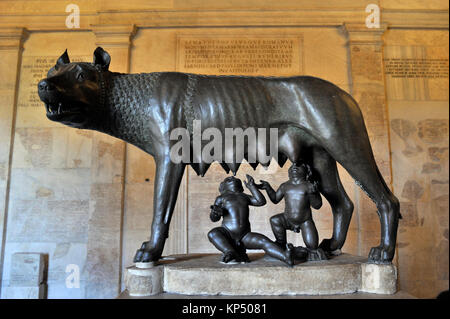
{"x": 314, "y": 196}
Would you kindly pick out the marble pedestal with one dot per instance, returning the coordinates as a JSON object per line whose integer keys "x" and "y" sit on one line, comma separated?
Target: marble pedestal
{"x": 206, "y": 275}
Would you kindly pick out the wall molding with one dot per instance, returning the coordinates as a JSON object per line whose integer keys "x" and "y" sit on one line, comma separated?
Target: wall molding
{"x": 414, "y": 19}
{"x": 12, "y": 38}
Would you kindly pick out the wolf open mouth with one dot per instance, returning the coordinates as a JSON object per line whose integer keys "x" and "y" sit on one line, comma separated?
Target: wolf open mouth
{"x": 58, "y": 112}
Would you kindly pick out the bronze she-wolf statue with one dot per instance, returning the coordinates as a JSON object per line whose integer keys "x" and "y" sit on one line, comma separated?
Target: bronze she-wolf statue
{"x": 318, "y": 124}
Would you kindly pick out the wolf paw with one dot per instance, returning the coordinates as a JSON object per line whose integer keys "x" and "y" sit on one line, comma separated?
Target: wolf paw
{"x": 146, "y": 254}
{"x": 330, "y": 247}
{"x": 381, "y": 255}
{"x": 316, "y": 255}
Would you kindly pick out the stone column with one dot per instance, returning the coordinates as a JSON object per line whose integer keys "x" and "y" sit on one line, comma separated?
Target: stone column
{"x": 11, "y": 41}
{"x": 368, "y": 89}
{"x": 104, "y": 253}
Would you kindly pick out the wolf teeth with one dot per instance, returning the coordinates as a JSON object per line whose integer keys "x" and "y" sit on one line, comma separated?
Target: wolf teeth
{"x": 51, "y": 109}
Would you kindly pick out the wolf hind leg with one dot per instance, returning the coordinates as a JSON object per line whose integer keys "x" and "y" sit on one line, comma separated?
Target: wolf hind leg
{"x": 360, "y": 163}
{"x": 330, "y": 186}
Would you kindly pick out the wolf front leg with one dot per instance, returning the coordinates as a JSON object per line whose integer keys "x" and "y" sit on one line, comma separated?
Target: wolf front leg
{"x": 167, "y": 183}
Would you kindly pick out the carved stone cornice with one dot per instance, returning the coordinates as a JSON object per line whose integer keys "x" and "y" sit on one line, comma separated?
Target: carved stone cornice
{"x": 114, "y": 35}
{"x": 360, "y": 34}
{"x": 416, "y": 19}
{"x": 235, "y": 18}
{"x": 12, "y": 38}
{"x": 329, "y": 17}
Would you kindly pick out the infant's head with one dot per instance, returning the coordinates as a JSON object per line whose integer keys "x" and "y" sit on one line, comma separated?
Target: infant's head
{"x": 297, "y": 171}
{"x": 231, "y": 184}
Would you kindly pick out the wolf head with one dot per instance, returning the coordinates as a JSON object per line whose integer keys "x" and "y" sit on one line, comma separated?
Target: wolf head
{"x": 73, "y": 93}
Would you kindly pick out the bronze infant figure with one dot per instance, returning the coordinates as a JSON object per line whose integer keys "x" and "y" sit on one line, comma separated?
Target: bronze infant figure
{"x": 299, "y": 195}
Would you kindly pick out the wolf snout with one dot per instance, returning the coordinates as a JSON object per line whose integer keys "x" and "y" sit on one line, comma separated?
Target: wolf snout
{"x": 44, "y": 85}
{"x": 47, "y": 91}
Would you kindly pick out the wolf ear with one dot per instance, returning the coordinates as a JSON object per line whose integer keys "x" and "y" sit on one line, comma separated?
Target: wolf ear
{"x": 63, "y": 59}
{"x": 102, "y": 58}
{"x": 51, "y": 72}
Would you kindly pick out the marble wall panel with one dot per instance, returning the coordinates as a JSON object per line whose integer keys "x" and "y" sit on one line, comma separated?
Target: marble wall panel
{"x": 423, "y": 193}
{"x": 418, "y": 118}
{"x": 50, "y": 181}
{"x": 368, "y": 90}
{"x": 416, "y": 72}
{"x": 139, "y": 179}
{"x": 52, "y": 148}
{"x": 10, "y": 56}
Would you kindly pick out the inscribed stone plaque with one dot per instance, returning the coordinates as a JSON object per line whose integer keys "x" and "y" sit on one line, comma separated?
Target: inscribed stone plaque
{"x": 416, "y": 73}
{"x": 240, "y": 55}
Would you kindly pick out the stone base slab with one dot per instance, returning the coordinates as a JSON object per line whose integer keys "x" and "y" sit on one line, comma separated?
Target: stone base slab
{"x": 378, "y": 279}
{"x": 206, "y": 275}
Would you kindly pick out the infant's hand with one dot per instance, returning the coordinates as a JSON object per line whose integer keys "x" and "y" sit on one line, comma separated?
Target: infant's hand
{"x": 263, "y": 185}
{"x": 314, "y": 187}
{"x": 250, "y": 181}
{"x": 217, "y": 210}
{"x": 216, "y": 213}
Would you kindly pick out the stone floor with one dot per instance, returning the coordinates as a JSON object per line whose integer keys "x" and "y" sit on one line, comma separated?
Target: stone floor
{"x": 357, "y": 295}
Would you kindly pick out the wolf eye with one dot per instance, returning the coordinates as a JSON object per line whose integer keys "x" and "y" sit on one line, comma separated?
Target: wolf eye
{"x": 80, "y": 76}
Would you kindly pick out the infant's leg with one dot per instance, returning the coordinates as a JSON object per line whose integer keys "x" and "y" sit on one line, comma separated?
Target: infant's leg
{"x": 310, "y": 235}
{"x": 259, "y": 241}
{"x": 222, "y": 240}
{"x": 279, "y": 226}
{"x": 311, "y": 239}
